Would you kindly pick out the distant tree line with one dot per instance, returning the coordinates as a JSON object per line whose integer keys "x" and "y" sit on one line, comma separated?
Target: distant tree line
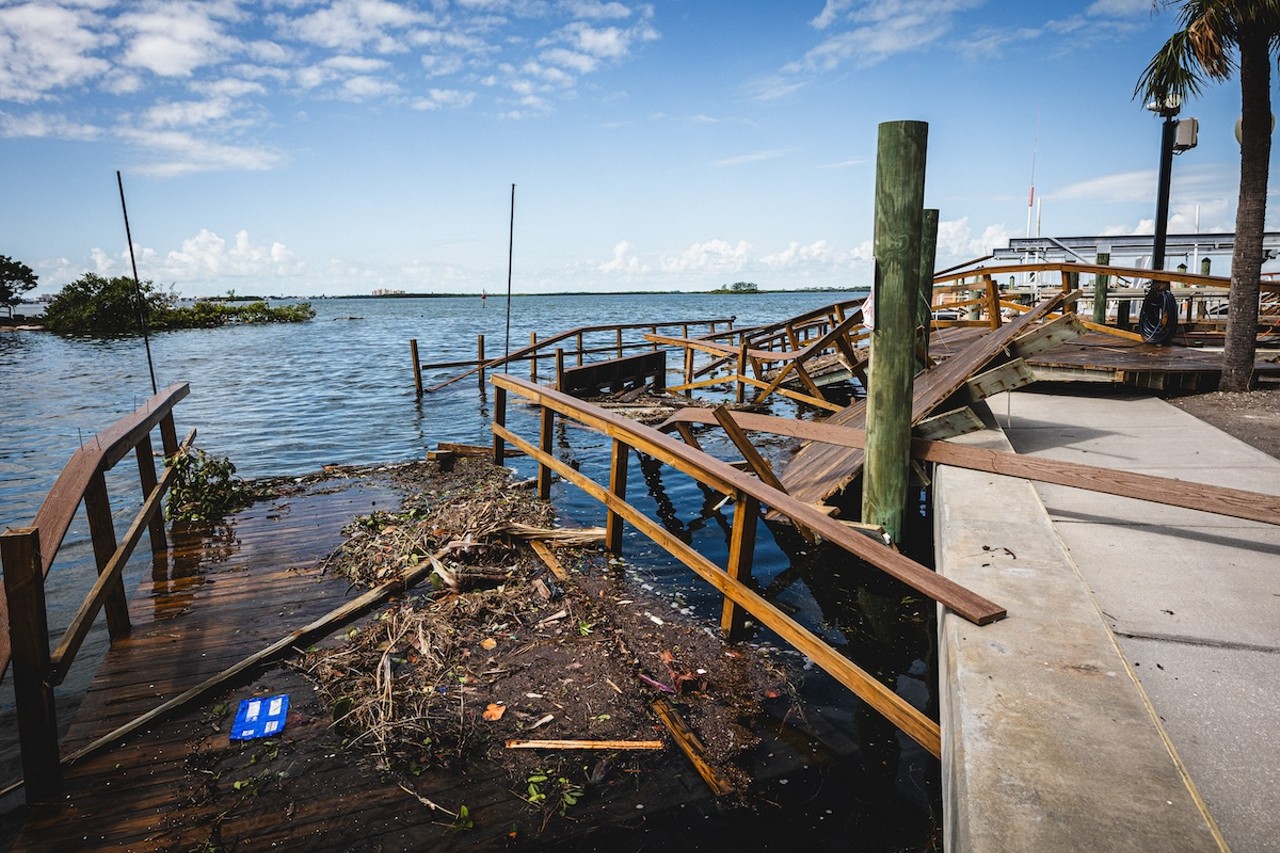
{"x": 738, "y": 287}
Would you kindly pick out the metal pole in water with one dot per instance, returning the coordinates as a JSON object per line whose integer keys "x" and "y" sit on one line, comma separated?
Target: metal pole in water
{"x": 137, "y": 286}
{"x": 511, "y": 236}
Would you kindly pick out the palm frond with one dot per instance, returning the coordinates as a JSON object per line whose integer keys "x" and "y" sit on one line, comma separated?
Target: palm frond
{"x": 1173, "y": 72}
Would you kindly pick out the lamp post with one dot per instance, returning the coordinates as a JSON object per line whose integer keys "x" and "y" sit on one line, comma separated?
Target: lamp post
{"x": 1168, "y": 132}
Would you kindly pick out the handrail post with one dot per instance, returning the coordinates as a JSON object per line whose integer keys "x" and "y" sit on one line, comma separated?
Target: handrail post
{"x": 417, "y": 367}
{"x": 618, "y": 487}
{"x": 168, "y": 434}
{"x": 499, "y": 419}
{"x": 580, "y": 349}
{"x": 742, "y": 549}
{"x": 619, "y": 340}
{"x": 533, "y": 357}
{"x": 559, "y": 368}
{"x": 97, "y": 506}
{"x": 741, "y": 393}
{"x": 29, "y": 642}
{"x": 480, "y": 358}
{"x": 147, "y": 476}
{"x": 546, "y": 433}
{"x": 1100, "y": 283}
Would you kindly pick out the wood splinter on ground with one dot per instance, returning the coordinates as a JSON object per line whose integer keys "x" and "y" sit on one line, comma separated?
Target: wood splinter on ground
{"x": 691, "y": 746}
{"x": 584, "y": 744}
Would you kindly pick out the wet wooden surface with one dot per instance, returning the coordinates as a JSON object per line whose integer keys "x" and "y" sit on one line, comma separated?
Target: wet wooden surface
{"x": 212, "y": 602}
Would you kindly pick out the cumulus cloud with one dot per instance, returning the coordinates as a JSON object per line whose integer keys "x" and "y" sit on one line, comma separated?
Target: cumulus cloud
{"x": 176, "y": 39}
{"x": 45, "y": 125}
{"x": 956, "y": 240}
{"x": 624, "y": 261}
{"x": 711, "y": 256}
{"x": 207, "y": 256}
{"x": 46, "y": 48}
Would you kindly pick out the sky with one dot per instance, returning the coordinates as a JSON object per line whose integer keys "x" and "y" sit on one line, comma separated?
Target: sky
{"x": 306, "y": 147}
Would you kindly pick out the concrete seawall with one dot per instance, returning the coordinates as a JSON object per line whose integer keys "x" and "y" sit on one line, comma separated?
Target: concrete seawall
{"x": 1049, "y": 740}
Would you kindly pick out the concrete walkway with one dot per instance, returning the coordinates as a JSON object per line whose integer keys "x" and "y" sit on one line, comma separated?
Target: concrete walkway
{"x": 1130, "y": 700}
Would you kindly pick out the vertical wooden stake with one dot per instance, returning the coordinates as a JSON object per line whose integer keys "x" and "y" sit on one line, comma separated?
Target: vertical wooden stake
{"x": 928, "y": 258}
{"x": 559, "y": 369}
{"x": 688, "y": 370}
{"x": 742, "y": 549}
{"x": 533, "y": 357}
{"x": 993, "y": 301}
{"x": 97, "y": 507}
{"x": 579, "y": 349}
{"x": 618, "y": 338}
{"x": 417, "y": 367}
{"x": 546, "y": 433}
{"x": 899, "y": 211}
{"x": 480, "y": 358}
{"x": 168, "y": 435}
{"x": 742, "y": 369}
{"x": 1100, "y": 283}
{"x": 147, "y": 476}
{"x": 499, "y": 419}
{"x": 29, "y": 642}
{"x": 618, "y": 487}
{"x": 1070, "y": 283}
{"x": 653, "y": 330}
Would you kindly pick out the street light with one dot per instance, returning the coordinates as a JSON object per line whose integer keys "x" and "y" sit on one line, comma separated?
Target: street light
{"x": 1175, "y": 137}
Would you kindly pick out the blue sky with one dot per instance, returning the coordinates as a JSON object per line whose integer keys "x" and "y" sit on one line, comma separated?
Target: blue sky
{"x": 337, "y": 146}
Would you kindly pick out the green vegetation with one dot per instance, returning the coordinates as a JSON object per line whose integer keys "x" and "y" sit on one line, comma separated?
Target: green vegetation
{"x": 205, "y": 488}
{"x": 93, "y": 305}
{"x": 16, "y": 278}
{"x": 738, "y": 287}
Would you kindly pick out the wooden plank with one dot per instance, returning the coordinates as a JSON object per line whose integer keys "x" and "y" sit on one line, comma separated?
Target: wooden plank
{"x": 1186, "y": 494}
{"x": 960, "y": 421}
{"x": 691, "y": 745}
{"x": 548, "y": 557}
{"x": 586, "y": 744}
{"x": 1048, "y": 335}
{"x": 1009, "y": 376}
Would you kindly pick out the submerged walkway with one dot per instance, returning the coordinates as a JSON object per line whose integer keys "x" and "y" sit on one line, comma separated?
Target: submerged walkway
{"x": 1129, "y": 700}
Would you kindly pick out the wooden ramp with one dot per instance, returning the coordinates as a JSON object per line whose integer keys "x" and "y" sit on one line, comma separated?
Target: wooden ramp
{"x": 819, "y": 471}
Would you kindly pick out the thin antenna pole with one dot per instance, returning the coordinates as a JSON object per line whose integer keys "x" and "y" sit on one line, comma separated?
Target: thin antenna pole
{"x": 137, "y": 287}
{"x": 1031, "y": 195}
{"x": 511, "y": 236}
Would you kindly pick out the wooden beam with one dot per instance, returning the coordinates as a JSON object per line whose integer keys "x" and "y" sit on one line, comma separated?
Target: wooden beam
{"x": 585, "y": 744}
{"x": 691, "y": 746}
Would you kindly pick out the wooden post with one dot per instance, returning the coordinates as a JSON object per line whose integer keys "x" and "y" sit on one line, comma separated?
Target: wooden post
{"x": 618, "y": 336}
{"x": 1205, "y": 265}
{"x": 147, "y": 476}
{"x": 993, "y": 301}
{"x": 579, "y": 349}
{"x": 168, "y": 435}
{"x": 102, "y": 532}
{"x": 618, "y": 486}
{"x": 928, "y": 257}
{"x": 688, "y": 370}
{"x": 899, "y": 211}
{"x": 499, "y": 419}
{"x": 1100, "y": 284}
{"x": 29, "y": 644}
{"x": 559, "y": 368}
{"x": 742, "y": 369}
{"x": 742, "y": 549}
{"x": 533, "y": 357}
{"x": 417, "y": 367}
{"x": 480, "y": 358}
{"x": 546, "y": 433}
{"x": 1070, "y": 283}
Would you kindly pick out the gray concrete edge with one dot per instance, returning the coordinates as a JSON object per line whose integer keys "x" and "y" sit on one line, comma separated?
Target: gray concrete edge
{"x": 1048, "y": 740}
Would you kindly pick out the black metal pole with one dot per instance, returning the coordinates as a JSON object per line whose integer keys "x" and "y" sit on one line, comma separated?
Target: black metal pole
{"x": 1168, "y": 132}
{"x": 137, "y": 287}
{"x": 511, "y": 236}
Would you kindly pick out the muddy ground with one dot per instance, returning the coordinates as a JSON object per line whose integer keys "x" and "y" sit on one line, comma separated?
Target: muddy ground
{"x": 1253, "y": 416}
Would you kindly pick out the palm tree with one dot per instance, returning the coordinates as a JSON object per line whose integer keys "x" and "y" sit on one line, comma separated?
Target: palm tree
{"x": 1217, "y": 38}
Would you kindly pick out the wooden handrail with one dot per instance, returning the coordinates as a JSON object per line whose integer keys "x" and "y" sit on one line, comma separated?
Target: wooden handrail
{"x": 1094, "y": 269}
{"x": 726, "y": 479}
{"x": 28, "y": 554}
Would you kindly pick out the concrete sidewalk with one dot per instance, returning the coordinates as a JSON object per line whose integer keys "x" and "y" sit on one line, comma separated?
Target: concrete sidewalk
{"x": 1131, "y": 625}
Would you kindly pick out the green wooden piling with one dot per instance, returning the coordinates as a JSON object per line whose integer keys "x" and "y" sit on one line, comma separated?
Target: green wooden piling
{"x": 899, "y": 212}
{"x": 928, "y": 257}
{"x": 1100, "y": 283}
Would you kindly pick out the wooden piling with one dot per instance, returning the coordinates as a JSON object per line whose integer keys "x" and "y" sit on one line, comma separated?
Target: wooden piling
{"x": 928, "y": 257}
{"x": 533, "y": 357}
{"x": 740, "y": 393}
{"x": 546, "y": 434}
{"x": 559, "y": 368}
{"x": 618, "y": 488}
{"x": 499, "y": 423}
{"x": 1100, "y": 284}
{"x": 480, "y": 359}
{"x": 29, "y": 634}
{"x": 899, "y": 213}
{"x": 417, "y": 367}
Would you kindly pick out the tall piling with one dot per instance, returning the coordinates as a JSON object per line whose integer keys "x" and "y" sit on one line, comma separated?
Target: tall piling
{"x": 928, "y": 257}
{"x": 899, "y": 213}
{"x": 1101, "y": 283}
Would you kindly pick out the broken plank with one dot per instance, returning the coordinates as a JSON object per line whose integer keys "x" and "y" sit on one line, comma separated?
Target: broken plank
{"x": 960, "y": 421}
{"x": 553, "y": 563}
{"x": 691, "y": 746}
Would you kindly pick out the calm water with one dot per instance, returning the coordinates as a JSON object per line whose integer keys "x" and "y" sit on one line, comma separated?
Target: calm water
{"x": 287, "y": 400}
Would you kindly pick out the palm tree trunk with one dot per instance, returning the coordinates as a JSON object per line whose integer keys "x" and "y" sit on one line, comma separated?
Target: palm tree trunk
{"x": 1246, "y": 257}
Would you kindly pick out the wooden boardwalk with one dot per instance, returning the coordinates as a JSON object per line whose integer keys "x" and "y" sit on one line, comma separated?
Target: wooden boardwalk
{"x": 211, "y": 603}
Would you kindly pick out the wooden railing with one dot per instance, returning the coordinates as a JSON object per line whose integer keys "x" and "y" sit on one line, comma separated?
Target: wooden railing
{"x": 27, "y": 554}
{"x": 546, "y": 349}
{"x": 732, "y": 580}
{"x": 978, "y": 293}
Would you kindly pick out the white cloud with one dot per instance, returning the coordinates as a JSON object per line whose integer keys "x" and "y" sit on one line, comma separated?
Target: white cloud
{"x": 175, "y": 39}
{"x": 957, "y": 242}
{"x": 436, "y": 99}
{"x": 753, "y": 157}
{"x": 624, "y": 261}
{"x": 207, "y": 256}
{"x": 353, "y": 24}
{"x": 711, "y": 256}
{"x": 1120, "y": 8}
{"x": 45, "y": 125}
{"x": 44, "y": 48}
{"x": 177, "y": 153}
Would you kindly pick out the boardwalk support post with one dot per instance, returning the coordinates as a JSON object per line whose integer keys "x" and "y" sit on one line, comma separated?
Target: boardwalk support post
{"x": 618, "y": 488}
{"x": 29, "y": 641}
{"x": 899, "y": 211}
{"x": 1100, "y": 283}
{"x": 928, "y": 257}
{"x": 417, "y": 367}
